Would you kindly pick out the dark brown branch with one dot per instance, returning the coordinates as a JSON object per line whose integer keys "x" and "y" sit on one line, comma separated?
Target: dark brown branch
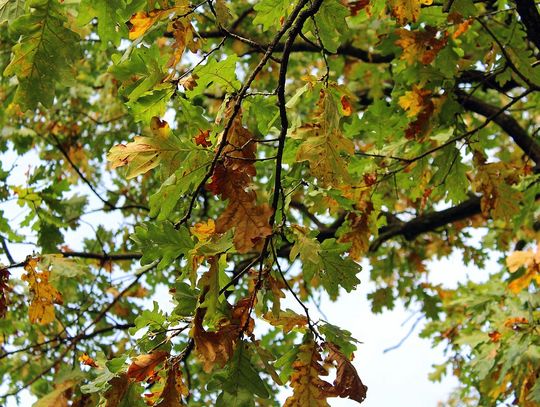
{"x": 103, "y": 256}
{"x": 530, "y": 18}
{"x": 427, "y": 223}
{"x": 510, "y": 125}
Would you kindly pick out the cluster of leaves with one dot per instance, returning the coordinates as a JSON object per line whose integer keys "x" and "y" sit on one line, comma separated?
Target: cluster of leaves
{"x": 254, "y": 154}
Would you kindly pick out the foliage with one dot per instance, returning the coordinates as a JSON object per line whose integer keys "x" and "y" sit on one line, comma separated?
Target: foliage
{"x": 254, "y": 152}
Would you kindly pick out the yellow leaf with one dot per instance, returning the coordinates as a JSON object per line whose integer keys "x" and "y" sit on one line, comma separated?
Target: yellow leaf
{"x": 519, "y": 259}
{"x": 142, "y": 21}
{"x": 44, "y": 295}
{"x": 308, "y": 388}
{"x": 146, "y": 153}
{"x": 287, "y": 319}
{"x": 204, "y": 230}
{"x": 420, "y": 46}
{"x": 407, "y": 11}
{"x": 529, "y": 260}
{"x": 413, "y": 102}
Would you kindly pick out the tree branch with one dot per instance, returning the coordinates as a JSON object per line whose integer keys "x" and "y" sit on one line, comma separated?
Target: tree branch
{"x": 510, "y": 125}
{"x": 530, "y": 18}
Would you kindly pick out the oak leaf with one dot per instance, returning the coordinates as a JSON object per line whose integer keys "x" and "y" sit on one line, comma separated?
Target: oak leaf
{"x": 215, "y": 348}
{"x": 174, "y": 389}
{"x": 420, "y": 45}
{"x": 117, "y": 390}
{"x": 347, "y": 383}
{"x": 203, "y": 230}
{"x": 142, "y": 366}
{"x": 407, "y": 11}
{"x": 146, "y": 153}
{"x": 250, "y": 221}
{"x": 417, "y": 103}
{"x": 286, "y": 319}
{"x": 184, "y": 37}
{"x": 142, "y": 20}
{"x": 531, "y": 262}
{"x": 87, "y": 360}
{"x": 499, "y": 199}
{"x": 44, "y": 295}
{"x": 358, "y": 236}
{"x": 308, "y": 388}
{"x": 324, "y": 143}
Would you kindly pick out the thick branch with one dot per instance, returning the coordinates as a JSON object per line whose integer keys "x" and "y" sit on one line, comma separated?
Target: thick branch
{"x": 531, "y": 19}
{"x": 506, "y": 122}
{"x": 427, "y": 222}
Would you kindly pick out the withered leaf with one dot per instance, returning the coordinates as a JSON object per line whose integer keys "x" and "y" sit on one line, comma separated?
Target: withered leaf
{"x": 142, "y": 366}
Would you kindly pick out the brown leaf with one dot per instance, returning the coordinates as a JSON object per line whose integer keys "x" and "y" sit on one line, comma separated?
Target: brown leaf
{"x": 117, "y": 391}
{"x": 4, "y": 289}
{"x": 174, "y": 389}
{"x": 142, "y": 366}
{"x": 360, "y": 232}
{"x": 250, "y": 221}
{"x": 347, "y": 383}
{"x": 184, "y": 37}
{"x": 216, "y": 348}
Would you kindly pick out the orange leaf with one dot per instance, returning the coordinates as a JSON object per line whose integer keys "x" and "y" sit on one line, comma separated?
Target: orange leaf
{"x": 142, "y": 366}
{"x": 421, "y": 45}
{"x": 346, "y": 106}
{"x": 87, "y": 360}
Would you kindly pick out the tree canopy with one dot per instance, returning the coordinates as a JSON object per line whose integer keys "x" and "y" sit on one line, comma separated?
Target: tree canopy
{"x": 253, "y": 153}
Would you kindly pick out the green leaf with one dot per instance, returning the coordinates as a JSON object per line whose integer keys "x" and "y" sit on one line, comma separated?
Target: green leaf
{"x": 241, "y": 380}
{"x": 220, "y": 73}
{"x": 339, "y": 337}
{"x": 161, "y": 241}
{"x": 330, "y": 23}
{"x": 44, "y": 55}
{"x": 11, "y": 9}
{"x": 186, "y": 299}
{"x": 108, "y": 28}
{"x": 337, "y": 271}
{"x": 270, "y": 13}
